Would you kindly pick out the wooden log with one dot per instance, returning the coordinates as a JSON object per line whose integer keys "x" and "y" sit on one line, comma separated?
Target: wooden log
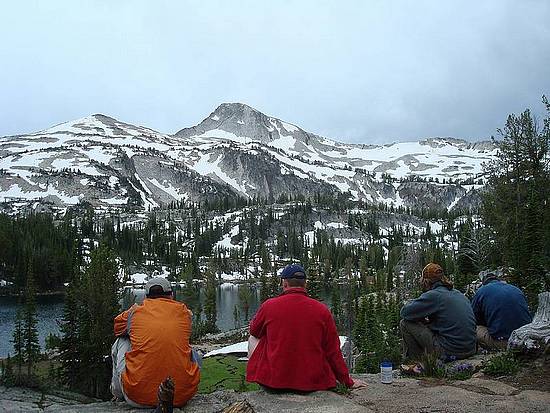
{"x": 239, "y": 407}
{"x": 535, "y": 336}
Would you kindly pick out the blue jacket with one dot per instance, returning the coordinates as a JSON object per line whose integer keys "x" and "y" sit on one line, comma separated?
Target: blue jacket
{"x": 501, "y": 307}
{"x": 450, "y": 318}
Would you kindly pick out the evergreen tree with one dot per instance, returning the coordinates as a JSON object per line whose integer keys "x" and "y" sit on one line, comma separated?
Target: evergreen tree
{"x": 245, "y": 298}
{"x": 336, "y": 306}
{"x": 360, "y": 327}
{"x": 516, "y": 204}
{"x": 313, "y": 283}
{"x": 274, "y": 285}
{"x": 97, "y": 305}
{"x": 264, "y": 288}
{"x": 264, "y": 257}
{"x": 31, "y": 346}
{"x": 8, "y": 377}
{"x": 17, "y": 340}
{"x": 210, "y": 302}
{"x": 236, "y": 317}
{"x": 71, "y": 346}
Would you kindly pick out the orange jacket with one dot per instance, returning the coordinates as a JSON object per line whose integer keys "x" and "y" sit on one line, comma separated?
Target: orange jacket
{"x": 159, "y": 332}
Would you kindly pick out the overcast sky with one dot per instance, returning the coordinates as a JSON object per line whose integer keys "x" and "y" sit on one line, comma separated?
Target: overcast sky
{"x": 356, "y": 71}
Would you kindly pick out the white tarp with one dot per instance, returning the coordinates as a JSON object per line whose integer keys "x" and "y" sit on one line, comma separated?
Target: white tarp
{"x": 242, "y": 348}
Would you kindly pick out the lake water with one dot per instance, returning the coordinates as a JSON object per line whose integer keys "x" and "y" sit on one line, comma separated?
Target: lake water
{"x": 50, "y": 312}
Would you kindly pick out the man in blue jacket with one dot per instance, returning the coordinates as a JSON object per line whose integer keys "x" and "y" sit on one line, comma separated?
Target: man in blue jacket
{"x": 499, "y": 308}
{"x": 440, "y": 320}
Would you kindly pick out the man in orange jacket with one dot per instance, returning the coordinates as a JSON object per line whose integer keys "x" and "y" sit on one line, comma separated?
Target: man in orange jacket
{"x": 153, "y": 344}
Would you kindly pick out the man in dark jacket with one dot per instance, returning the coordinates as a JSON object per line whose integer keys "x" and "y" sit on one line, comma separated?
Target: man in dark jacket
{"x": 440, "y": 320}
{"x": 298, "y": 347}
{"x": 499, "y": 308}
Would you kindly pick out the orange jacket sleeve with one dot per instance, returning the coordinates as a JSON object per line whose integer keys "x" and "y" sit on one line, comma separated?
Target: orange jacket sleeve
{"x": 121, "y": 321}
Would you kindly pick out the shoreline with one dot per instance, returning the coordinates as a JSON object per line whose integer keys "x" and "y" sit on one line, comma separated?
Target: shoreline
{"x": 38, "y": 294}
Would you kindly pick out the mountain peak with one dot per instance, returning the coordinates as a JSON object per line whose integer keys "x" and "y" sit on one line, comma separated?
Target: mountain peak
{"x": 235, "y": 106}
{"x": 239, "y": 112}
{"x": 238, "y": 120}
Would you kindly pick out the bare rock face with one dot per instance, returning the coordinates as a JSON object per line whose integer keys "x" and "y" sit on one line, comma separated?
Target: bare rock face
{"x": 22, "y": 400}
{"x": 473, "y": 395}
{"x": 405, "y": 395}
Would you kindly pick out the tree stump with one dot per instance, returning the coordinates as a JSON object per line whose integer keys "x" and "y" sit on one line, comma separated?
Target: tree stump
{"x": 535, "y": 336}
{"x": 239, "y": 407}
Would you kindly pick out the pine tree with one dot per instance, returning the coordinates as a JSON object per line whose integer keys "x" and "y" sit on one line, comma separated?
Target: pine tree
{"x": 98, "y": 296}
{"x": 210, "y": 302}
{"x": 236, "y": 317}
{"x": 17, "y": 340}
{"x": 8, "y": 378}
{"x": 515, "y": 206}
{"x": 31, "y": 346}
{"x": 71, "y": 345}
{"x": 360, "y": 327}
{"x": 245, "y": 297}
{"x": 274, "y": 285}
{"x": 313, "y": 283}
{"x": 336, "y": 306}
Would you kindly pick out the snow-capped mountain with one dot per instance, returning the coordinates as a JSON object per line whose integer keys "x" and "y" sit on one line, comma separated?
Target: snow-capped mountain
{"x": 236, "y": 151}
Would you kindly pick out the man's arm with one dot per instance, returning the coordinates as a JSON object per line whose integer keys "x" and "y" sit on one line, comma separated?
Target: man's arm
{"x": 477, "y": 308}
{"x": 121, "y": 321}
{"x": 420, "y": 308}
{"x": 333, "y": 353}
{"x": 257, "y": 325}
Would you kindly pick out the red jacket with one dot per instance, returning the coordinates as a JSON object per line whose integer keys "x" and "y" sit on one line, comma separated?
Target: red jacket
{"x": 299, "y": 347}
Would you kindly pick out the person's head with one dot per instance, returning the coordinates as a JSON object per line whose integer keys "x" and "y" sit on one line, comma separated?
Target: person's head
{"x": 488, "y": 275}
{"x": 293, "y": 275}
{"x": 158, "y": 287}
{"x": 431, "y": 274}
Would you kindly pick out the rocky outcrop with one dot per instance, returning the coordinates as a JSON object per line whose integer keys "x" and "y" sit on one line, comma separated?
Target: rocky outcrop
{"x": 403, "y": 395}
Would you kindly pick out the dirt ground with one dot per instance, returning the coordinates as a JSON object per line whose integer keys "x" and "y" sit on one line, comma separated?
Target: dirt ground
{"x": 534, "y": 375}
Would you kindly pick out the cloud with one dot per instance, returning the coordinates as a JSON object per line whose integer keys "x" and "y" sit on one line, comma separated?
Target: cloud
{"x": 356, "y": 71}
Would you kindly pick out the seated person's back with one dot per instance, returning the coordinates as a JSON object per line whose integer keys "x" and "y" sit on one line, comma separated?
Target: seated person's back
{"x": 501, "y": 307}
{"x": 299, "y": 347}
{"x": 159, "y": 332}
{"x": 440, "y": 320}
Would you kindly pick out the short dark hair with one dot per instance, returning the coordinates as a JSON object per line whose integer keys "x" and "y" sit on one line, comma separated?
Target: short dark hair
{"x": 156, "y": 291}
{"x": 295, "y": 282}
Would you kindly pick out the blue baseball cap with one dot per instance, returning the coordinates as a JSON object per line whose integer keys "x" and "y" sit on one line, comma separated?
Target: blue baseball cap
{"x": 294, "y": 271}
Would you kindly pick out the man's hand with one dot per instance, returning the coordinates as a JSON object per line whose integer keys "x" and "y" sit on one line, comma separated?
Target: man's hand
{"x": 358, "y": 384}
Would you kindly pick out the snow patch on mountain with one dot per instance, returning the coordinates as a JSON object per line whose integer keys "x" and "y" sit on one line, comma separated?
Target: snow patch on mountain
{"x": 236, "y": 151}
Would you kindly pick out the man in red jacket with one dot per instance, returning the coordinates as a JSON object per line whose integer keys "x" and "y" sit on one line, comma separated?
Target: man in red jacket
{"x": 298, "y": 346}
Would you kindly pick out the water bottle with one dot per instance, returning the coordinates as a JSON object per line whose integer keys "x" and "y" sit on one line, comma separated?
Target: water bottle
{"x": 386, "y": 375}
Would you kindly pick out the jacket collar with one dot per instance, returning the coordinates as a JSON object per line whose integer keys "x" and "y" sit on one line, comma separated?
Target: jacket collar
{"x": 294, "y": 290}
{"x": 437, "y": 284}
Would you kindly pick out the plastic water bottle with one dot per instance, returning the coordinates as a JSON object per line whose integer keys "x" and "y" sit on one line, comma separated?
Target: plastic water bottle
{"x": 386, "y": 375}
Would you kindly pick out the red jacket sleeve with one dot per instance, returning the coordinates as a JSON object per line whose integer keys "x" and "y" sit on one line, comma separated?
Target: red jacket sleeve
{"x": 334, "y": 354}
{"x": 121, "y": 322}
{"x": 257, "y": 325}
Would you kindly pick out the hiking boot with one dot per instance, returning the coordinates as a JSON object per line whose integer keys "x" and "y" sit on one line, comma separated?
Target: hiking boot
{"x": 166, "y": 396}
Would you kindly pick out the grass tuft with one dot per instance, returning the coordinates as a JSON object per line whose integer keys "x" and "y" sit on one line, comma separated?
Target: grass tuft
{"x": 504, "y": 364}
